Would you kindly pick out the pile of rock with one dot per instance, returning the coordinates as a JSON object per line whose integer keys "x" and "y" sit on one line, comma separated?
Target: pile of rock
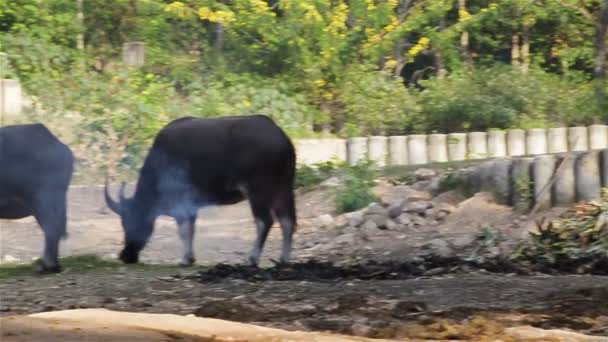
{"x": 398, "y": 215}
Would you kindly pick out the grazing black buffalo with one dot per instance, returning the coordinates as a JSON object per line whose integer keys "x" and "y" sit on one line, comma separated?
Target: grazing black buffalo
{"x": 35, "y": 173}
{"x": 199, "y": 162}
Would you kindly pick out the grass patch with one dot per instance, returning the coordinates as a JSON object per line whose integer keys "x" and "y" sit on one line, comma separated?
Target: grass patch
{"x": 73, "y": 264}
{"x": 308, "y": 176}
{"x": 357, "y": 190}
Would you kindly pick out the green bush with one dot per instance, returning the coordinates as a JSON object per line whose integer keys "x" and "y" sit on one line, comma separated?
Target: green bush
{"x": 307, "y": 176}
{"x": 501, "y": 97}
{"x": 375, "y": 102}
{"x": 356, "y": 192}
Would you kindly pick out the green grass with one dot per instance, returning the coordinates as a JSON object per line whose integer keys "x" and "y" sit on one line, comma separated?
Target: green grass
{"x": 73, "y": 264}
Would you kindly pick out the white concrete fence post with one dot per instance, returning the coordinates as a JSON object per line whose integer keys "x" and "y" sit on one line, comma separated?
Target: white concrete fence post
{"x": 557, "y": 140}
{"x": 377, "y": 150}
{"x": 356, "y": 150}
{"x": 536, "y": 141}
{"x": 397, "y": 147}
{"x": 516, "y": 142}
{"x": 598, "y": 137}
{"x": 133, "y": 53}
{"x": 564, "y": 188}
{"x": 457, "y": 146}
{"x": 577, "y": 139}
{"x": 438, "y": 148}
{"x": 417, "y": 149}
{"x": 588, "y": 179}
{"x": 542, "y": 172}
{"x": 497, "y": 144}
{"x": 11, "y": 98}
{"x": 478, "y": 145}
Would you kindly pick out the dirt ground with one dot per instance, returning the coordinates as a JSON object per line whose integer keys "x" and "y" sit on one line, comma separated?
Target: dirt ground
{"x": 363, "y": 306}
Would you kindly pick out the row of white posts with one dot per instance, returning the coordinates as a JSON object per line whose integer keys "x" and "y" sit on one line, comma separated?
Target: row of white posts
{"x": 421, "y": 149}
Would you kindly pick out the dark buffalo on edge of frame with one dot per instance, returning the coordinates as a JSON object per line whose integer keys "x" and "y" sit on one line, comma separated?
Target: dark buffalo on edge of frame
{"x": 35, "y": 173}
{"x": 200, "y": 162}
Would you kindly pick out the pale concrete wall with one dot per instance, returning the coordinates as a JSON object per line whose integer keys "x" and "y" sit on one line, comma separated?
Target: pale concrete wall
{"x": 457, "y": 146}
{"x": 438, "y": 148}
{"x": 11, "y": 98}
{"x": 478, "y": 145}
{"x": 377, "y": 150}
{"x": 313, "y": 151}
{"x": 417, "y": 149}
{"x": 397, "y": 149}
{"x": 497, "y": 144}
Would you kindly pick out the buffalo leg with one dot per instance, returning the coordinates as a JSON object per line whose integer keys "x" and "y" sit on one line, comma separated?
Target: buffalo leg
{"x": 186, "y": 234}
{"x": 263, "y": 222}
{"x": 284, "y": 209}
{"x": 50, "y": 212}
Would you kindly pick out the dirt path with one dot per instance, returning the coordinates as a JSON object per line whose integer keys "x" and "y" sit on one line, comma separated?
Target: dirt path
{"x": 367, "y": 308}
{"x": 223, "y": 234}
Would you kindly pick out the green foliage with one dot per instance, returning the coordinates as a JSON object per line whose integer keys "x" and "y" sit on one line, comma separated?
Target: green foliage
{"x": 356, "y": 192}
{"x": 307, "y": 175}
{"x": 376, "y": 101}
{"x": 581, "y": 234}
{"x": 500, "y": 97}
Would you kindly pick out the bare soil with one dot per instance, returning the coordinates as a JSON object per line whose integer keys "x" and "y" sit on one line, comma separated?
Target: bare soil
{"x": 367, "y": 300}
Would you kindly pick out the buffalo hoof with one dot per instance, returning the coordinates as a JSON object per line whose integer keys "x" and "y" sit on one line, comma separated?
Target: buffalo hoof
{"x": 41, "y": 268}
{"x": 187, "y": 262}
{"x": 129, "y": 257}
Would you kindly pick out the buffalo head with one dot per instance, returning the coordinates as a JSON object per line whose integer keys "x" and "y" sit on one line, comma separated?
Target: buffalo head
{"x": 135, "y": 221}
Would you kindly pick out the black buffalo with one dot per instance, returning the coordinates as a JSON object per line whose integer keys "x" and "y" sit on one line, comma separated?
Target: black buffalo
{"x": 35, "y": 173}
{"x": 197, "y": 162}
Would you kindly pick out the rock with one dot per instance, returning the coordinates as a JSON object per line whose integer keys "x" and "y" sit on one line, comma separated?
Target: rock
{"x": 376, "y": 209}
{"x": 445, "y": 207}
{"x": 325, "y": 221}
{"x": 464, "y": 241}
{"x": 418, "y": 221}
{"x": 369, "y": 226}
{"x": 441, "y": 215}
{"x": 531, "y": 333}
{"x": 452, "y": 197}
{"x": 390, "y": 194}
{"x": 439, "y": 247}
{"x": 378, "y": 220}
{"x": 430, "y": 213}
{"x": 418, "y": 207}
{"x": 391, "y": 225}
{"x": 434, "y": 271}
{"x": 404, "y": 219}
{"x": 9, "y": 258}
{"x": 355, "y": 218}
{"x": 424, "y": 174}
{"x": 345, "y": 239}
{"x": 394, "y": 210}
{"x": 332, "y": 182}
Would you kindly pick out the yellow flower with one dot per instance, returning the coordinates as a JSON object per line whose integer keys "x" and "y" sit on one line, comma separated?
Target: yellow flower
{"x": 320, "y": 82}
{"x": 391, "y": 63}
{"x": 204, "y": 13}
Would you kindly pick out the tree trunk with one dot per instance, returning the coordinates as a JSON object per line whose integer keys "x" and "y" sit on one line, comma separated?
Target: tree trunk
{"x": 525, "y": 50}
{"x": 599, "y": 71}
{"x": 219, "y": 38}
{"x": 80, "y": 19}
{"x": 515, "y": 49}
{"x": 464, "y": 38}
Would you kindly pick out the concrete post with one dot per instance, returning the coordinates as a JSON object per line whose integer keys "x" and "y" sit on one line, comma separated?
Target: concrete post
{"x": 588, "y": 180}
{"x": 565, "y": 182}
{"x": 542, "y": 171}
{"x": 397, "y": 146}
{"x": 417, "y": 149}
{"x": 521, "y": 179}
{"x": 357, "y": 150}
{"x": 577, "y": 139}
{"x": 497, "y": 144}
{"x": 516, "y": 142}
{"x": 457, "y": 146}
{"x": 133, "y": 53}
{"x": 536, "y": 141}
{"x": 604, "y": 168}
{"x": 438, "y": 148}
{"x": 11, "y": 101}
{"x": 557, "y": 140}
{"x": 501, "y": 180}
{"x": 598, "y": 137}
{"x": 478, "y": 145}
{"x": 377, "y": 150}
{"x": 313, "y": 151}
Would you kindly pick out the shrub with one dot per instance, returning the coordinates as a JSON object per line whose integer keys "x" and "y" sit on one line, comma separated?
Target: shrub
{"x": 356, "y": 193}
